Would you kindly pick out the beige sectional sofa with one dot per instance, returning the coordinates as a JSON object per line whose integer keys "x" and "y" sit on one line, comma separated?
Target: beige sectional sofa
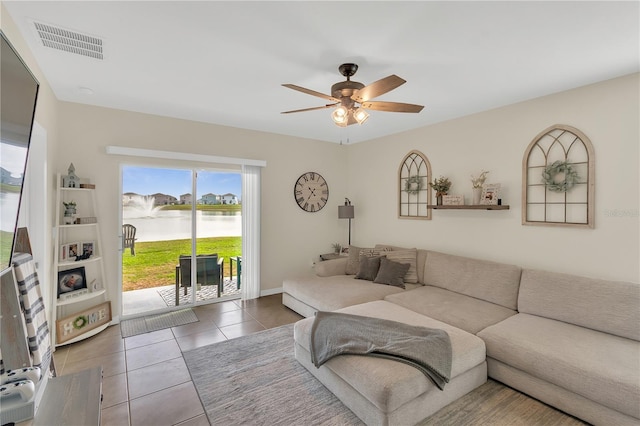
{"x": 569, "y": 341}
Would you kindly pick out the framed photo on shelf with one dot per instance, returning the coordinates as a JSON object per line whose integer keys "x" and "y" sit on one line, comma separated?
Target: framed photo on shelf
{"x": 71, "y": 280}
{"x": 88, "y": 249}
{"x": 490, "y": 194}
{"x": 69, "y": 251}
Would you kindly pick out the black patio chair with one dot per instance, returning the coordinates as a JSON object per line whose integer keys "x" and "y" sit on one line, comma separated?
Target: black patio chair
{"x": 209, "y": 272}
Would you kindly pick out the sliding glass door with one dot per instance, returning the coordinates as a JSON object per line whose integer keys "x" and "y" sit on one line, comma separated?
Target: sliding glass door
{"x": 169, "y": 218}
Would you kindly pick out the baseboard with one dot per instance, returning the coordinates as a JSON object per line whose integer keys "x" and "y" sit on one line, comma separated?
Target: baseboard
{"x": 270, "y": 291}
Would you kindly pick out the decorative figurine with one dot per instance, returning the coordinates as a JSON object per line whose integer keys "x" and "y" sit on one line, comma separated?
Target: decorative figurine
{"x": 71, "y": 180}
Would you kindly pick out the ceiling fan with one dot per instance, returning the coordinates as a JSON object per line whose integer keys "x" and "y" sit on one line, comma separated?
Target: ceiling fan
{"x": 352, "y": 98}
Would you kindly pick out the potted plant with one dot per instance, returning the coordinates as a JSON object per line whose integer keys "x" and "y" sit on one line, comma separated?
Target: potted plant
{"x": 336, "y": 248}
{"x": 69, "y": 212}
{"x": 441, "y": 185}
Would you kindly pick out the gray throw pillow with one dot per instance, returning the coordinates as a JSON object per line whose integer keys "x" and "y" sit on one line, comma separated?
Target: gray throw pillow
{"x": 368, "y": 268}
{"x": 391, "y": 273}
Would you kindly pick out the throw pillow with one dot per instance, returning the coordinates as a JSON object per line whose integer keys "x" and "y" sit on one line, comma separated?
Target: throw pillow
{"x": 353, "y": 262}
{"x": 391, "y": 273}
{"x": 408, "y": 256}
{"x": 368, "y": 268}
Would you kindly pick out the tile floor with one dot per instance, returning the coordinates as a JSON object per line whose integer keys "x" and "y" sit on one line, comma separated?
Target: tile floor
{"x": 146, "y": 381}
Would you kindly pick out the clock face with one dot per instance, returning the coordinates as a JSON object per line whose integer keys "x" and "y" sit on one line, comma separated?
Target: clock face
{"x": 311, "y": 192}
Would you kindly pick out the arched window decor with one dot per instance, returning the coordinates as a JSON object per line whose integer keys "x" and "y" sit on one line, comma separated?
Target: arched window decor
{"x": 558, "y": 179}
{"x": 414, "y": 191}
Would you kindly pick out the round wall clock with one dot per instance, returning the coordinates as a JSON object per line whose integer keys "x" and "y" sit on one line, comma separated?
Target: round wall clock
{"x": 311, "y": 192}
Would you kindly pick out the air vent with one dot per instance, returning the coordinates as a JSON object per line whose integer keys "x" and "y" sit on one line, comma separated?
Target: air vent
{"x": 69, "y": 41}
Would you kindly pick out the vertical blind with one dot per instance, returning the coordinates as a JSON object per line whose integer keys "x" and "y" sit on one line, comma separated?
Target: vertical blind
{"x": 250, "y": 232}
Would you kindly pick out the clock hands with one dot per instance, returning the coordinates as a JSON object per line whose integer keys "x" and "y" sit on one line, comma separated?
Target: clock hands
{"x": 312, "y": 193}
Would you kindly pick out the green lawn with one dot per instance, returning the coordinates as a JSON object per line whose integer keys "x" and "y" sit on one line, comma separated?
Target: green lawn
{"x": 155, "y": 262}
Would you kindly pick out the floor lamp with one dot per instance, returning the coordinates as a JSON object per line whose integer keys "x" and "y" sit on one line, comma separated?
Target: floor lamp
{"x": 346, "y": 212}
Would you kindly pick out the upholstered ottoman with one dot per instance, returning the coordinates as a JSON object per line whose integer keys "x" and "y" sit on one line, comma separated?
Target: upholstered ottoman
{"x": 386, "y": 392}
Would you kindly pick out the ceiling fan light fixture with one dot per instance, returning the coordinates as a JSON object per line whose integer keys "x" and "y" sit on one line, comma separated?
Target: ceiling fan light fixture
{"x": 340, "y": 115}
{"x": 361, "y": 115}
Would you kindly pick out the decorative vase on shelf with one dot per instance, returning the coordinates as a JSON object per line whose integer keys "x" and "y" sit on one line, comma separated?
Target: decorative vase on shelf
{"x": 477, "y": 193}
{"x": 439, "y": 198}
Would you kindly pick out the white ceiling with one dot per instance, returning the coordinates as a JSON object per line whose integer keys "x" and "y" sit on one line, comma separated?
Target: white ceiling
{"x": 224, "y": 62}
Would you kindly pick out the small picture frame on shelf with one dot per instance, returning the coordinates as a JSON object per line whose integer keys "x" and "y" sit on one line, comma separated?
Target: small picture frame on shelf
{"x": 70, "y": 251}
{"x": 71, "y": 280}
{"x": 490, "y": 194}
{"x": 88, "y": 249}
{"x": 453, "y": 200}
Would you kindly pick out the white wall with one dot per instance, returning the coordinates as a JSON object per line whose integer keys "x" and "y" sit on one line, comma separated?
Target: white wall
{"x": 607, "y": 112}
{"x": 291, "y": 238}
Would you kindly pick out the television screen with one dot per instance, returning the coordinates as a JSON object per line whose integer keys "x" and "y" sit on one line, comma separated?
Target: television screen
{"x": 18, "y": 93}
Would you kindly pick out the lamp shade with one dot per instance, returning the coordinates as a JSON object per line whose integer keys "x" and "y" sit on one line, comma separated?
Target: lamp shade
{"x": 346, "y": 212}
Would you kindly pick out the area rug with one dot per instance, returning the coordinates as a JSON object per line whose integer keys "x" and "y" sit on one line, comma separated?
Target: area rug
{"x": 151, "y": 323}
{"x": 256, "y": 380}
{"x": 205, "y": 292}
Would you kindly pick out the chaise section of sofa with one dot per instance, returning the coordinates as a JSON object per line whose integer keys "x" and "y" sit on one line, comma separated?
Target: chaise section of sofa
{"x": 331, "y": 288}
{"x": 386, "y": 392}
{"x": 575, "y": 344}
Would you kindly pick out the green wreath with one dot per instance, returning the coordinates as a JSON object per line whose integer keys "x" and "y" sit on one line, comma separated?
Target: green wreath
{"x": 551, "y": 172}
{"x": 413, "y": 184}
{"x": 80, "y": 322}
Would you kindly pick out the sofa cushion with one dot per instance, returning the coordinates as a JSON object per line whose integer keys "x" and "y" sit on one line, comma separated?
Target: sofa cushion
{"x": 391, "y": 273}
{"x": 331, "y": 293}
{"x": 331, "y": 267}
{"x": 389, "y": 384}
{"x": 420, "y": 257}
{"x": 369, "y": 267}
{"x": 607, "y": 306}
{"x": 494, "y": 282}
{"x": 408, "y": 257}
{"x": 459, "y": 310}
{"x": 599, "y": 366}
{"x": 353, "y": 261}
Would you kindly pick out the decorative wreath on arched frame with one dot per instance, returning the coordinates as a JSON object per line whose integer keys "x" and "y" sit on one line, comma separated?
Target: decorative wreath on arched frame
{"x": 558, "y": 179}
{"x": 560, "y": 176}
{"x": 413, "y": 193}
{"x": 414, "y": 184}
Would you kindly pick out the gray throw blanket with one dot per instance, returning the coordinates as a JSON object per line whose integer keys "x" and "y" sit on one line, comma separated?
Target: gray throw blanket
{"x": 427, "y": 349}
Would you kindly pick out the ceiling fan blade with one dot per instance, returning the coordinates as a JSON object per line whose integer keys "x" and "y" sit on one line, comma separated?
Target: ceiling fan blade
{"x": 391, "y": 106}
{"x": 378, "y": 88}
{"x": 308, "y": 109}
{"x": 311, "y": 92}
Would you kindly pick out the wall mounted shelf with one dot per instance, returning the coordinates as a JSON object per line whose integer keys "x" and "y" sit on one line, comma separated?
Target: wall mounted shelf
{"x": 474, "y": 207}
